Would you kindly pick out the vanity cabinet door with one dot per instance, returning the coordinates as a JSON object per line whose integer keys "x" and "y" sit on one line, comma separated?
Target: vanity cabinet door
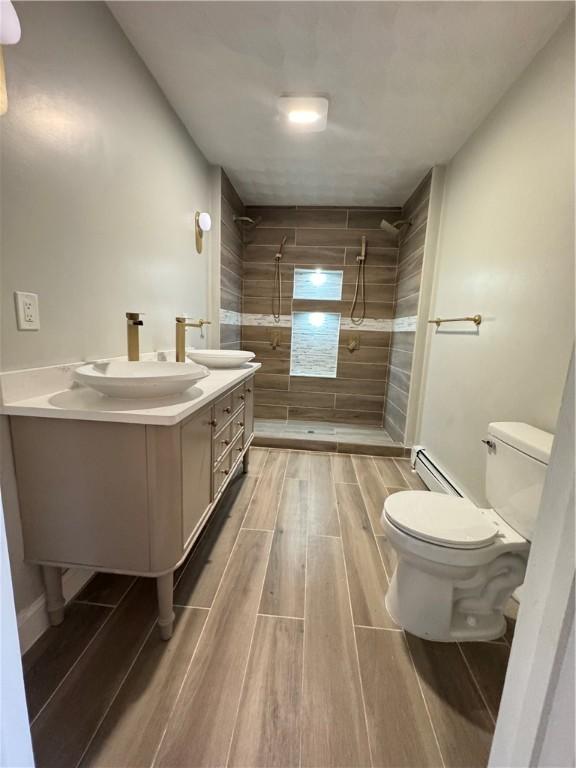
{"x": 249, "y": 409}
{"x": 196, "y": 470}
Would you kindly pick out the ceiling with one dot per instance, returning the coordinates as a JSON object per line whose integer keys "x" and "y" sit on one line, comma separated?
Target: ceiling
{"x": 408, "y": 82}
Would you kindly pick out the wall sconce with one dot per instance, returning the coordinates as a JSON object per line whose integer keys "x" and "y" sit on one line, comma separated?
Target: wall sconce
{"x": 203, "y": 223}
{"x": 9, "y": 35}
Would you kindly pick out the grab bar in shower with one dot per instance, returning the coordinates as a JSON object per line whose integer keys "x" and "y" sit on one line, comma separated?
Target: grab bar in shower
{"x": 476, "y": 319}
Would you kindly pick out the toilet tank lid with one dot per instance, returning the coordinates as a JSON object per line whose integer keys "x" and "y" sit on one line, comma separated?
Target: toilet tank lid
{"x": 530, "y": 440}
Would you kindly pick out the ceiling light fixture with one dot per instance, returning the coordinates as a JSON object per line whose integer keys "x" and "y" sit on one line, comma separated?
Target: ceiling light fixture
{"x": 304, "y": 113}
{"x": 303, "y": 116}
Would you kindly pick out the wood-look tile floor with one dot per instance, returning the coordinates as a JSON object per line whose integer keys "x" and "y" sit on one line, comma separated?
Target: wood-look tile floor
{"x": 283, "y": 653}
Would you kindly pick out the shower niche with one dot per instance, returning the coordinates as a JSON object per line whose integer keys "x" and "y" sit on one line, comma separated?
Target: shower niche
{"x": 314, "y": 344}
{"x": 287, "y": 294}
{"x": 318, "y": 284}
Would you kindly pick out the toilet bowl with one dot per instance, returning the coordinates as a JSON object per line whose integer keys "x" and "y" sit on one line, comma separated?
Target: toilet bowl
{"x": 458, "y": 564}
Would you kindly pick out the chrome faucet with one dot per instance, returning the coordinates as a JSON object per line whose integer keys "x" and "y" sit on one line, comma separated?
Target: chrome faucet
{"x": 181, "y": 325}
{"x": 133, "y": 333}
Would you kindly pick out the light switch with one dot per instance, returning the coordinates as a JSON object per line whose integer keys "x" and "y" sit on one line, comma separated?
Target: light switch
{"x": 27, "y": 313}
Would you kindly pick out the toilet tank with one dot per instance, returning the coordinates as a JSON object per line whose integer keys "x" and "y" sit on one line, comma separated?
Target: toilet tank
{"x": 516, "y": 464}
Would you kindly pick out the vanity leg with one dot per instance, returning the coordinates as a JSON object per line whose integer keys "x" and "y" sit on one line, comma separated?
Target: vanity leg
{"x": 246, "y": 462}
{"x": 52, "y": 576}
{"x": 164, "y": 588}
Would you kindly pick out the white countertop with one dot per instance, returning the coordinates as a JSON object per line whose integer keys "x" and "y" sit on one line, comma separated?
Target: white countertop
{"x": 40, "y": 397}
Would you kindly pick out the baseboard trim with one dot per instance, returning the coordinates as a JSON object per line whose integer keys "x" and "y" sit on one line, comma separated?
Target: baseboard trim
{"x": 33, "y": 620}
{"x": 432, "y": 473}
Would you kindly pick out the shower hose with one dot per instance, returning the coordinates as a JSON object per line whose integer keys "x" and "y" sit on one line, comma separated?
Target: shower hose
{"x": 360, "y": 288}
{"x": 277, "y": 287}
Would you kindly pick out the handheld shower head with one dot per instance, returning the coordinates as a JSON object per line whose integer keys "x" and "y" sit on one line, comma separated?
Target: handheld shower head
{"x": 397, "y": 228}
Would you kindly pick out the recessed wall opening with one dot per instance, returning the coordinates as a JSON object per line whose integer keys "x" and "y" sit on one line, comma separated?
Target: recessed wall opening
{"x": 319, "y": 284}
{"x": 314, "y": 349}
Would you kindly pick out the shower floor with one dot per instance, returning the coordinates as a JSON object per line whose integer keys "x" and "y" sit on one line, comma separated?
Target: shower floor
{"x": 326, "y": 436}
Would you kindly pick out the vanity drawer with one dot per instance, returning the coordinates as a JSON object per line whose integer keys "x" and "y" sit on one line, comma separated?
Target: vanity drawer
{"x": 237, "y": 424}
{"x": 223, "y": 409}
{"x": 237, "y": 447}
{"x": 221, "y": 472}
{"x": 227, "y": 405}
{"x": 224, "y": 466}
{"x": 238, "y": 397}
{"x": 220, "y": 442}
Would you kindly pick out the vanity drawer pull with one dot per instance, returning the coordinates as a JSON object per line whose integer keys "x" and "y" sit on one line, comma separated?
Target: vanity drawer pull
{"x": 225, "y": 442}
{"x": 227, "y": 409}
{"x": 239, "y": 423}
{"x": 224, "y": 471}
{"x": 242, "y": 397}
{"x": 213, "y": 423}
{"x": 240, "y": 449}
{"x": 248, "y": 389}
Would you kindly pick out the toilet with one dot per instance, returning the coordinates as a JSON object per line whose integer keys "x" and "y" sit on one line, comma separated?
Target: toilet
{"x": 458, "y": 564}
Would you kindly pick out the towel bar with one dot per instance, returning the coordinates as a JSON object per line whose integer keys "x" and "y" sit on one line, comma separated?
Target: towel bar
{"x": 476, "y": 319}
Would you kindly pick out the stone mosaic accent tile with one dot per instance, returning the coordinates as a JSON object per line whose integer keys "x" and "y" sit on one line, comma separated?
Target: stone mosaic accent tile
{"x": 230, "y": 317}
{"x": 315, "y": 338}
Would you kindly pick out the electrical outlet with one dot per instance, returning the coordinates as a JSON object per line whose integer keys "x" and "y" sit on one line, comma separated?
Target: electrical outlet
{"x": 27, "y": 314}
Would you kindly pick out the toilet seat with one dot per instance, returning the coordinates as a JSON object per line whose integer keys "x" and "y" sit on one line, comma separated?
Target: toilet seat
{"x": 440, "y": 519}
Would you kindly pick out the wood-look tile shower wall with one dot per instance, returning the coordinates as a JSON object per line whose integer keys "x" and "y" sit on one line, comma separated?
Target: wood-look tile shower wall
{"x": 230, "y": 266}
{"x": 327, "y": 238}
{"x": 410, "y": 260}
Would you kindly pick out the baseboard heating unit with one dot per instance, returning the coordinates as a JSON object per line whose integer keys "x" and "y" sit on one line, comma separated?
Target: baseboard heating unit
{"x": 431, "y": 474}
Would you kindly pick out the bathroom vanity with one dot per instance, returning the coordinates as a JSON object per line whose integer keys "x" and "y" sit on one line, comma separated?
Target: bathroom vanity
{"x": 126, "y": 486}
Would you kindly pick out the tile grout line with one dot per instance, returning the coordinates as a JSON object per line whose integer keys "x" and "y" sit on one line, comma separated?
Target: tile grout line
{"x": 388, "y": 576}
{"x": 406, "y": 641}
{"x": 476, "y": 684}
{"x": 423, "y": 698}
{"x": 68, "y": 673}
{"x": 277, "y": 616}
{"x": 404, "y": 475}
{"x": 359, "y": 671}
{"x": 381, "y": 479}
{"x": 256, "y": 487}
{"x": 200, "y": 636}
{"x": 116, "y": 693}
{"x": 259, "y": 530}
{"x": 91, "y": 602}
{"x": 301, "y": 712}
{"x": 200, "y": 538}
{"x": 379, "y": 629}
{"x": 249, "y": 654}
{"x": 374, "y": 535}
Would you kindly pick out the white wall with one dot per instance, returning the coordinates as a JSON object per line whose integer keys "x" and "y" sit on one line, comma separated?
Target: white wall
{"x": 505, "y": 250}
{"x": 15, "y": 741}
{"x": 535, "y": 725}
{"x": 99, "y": 180}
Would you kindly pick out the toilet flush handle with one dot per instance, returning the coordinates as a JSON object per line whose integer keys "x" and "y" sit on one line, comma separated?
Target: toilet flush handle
{"x": 490, "y": 443}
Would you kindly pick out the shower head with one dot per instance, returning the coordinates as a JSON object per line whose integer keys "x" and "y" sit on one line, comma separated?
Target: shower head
{"x": 397, "y": 228}
{"x": 246, "y": 221}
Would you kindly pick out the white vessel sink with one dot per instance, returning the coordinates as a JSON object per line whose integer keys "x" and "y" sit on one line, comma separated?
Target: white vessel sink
{"x": 220, "y": 358}
{"x": 124, "y": 379}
